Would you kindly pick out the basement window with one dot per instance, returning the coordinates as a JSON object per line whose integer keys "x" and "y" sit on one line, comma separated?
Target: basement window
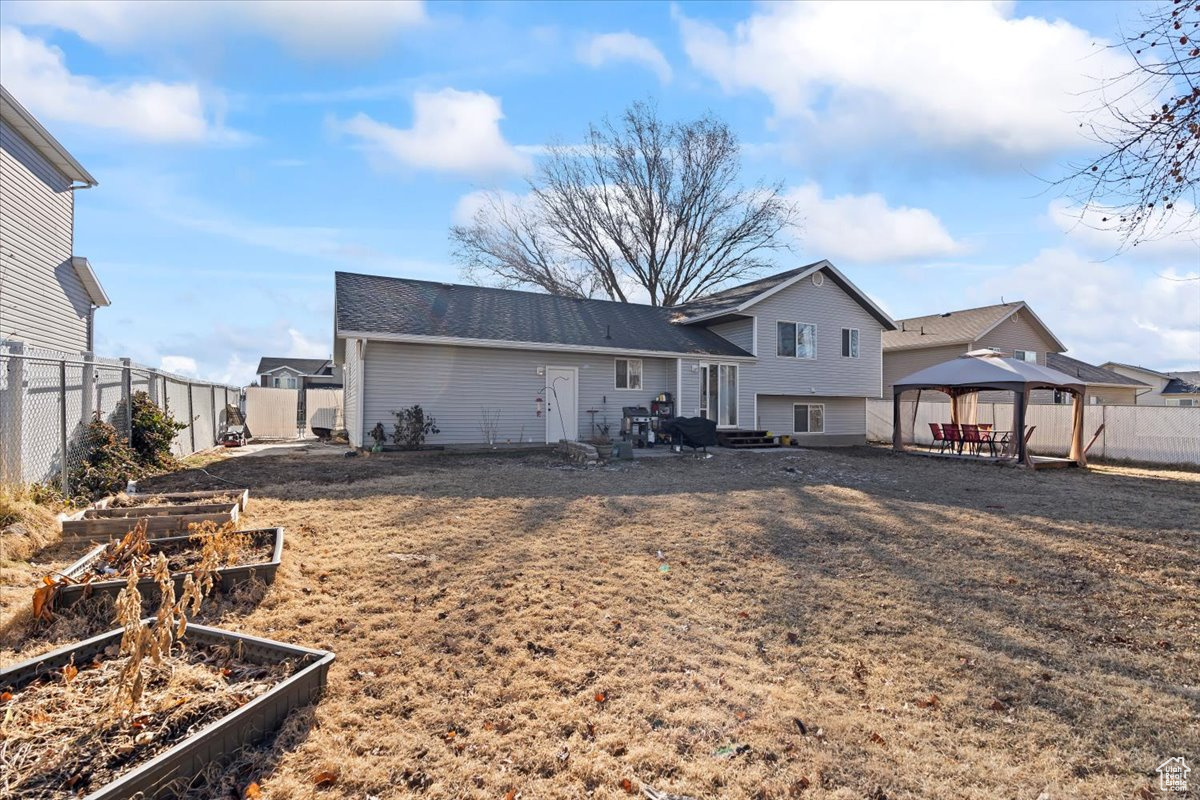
{"x": 808, "y": 418}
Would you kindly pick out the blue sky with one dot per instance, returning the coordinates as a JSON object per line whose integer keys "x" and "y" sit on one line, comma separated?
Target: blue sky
{"x": 246, "y": 151}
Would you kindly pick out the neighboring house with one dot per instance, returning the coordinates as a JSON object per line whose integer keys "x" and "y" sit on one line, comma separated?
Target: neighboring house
{"x": 796, "y": 353}
{"x": 1011, "y": 328}
{"x": 298, "y": 373}
{"x": 48, "y": 295}
{"x": 1164, "y": 388}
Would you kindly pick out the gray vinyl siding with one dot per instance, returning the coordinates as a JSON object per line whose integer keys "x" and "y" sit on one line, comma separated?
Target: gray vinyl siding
{"x": 829, "y": 374}
{"x": 687, "y": 404}
{"x": 352, "y": 375}
{"x": 845, "y": 419}
{"x": 740, "y": 332}
{"x": 42, "y": 301}
{"x": 898, "y": 364}
{"x": 455, "y": 384}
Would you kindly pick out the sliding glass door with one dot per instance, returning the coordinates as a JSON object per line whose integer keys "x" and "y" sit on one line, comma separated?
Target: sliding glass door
{"x": 718, "y": 393}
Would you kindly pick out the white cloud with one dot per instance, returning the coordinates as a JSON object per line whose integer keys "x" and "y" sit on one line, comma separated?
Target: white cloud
{"x": 1108, "y": 311}
{"x": 452, "y": 131}
{"x": 300, "y": 346}
{"x": 607, "y": 48}
{"x": 864, "y": 228}
{"x": 961, "y": 75}
{"x": 182, "y": 365}
{"x": 311, "y": 29}
{"x": 37, "y": 75}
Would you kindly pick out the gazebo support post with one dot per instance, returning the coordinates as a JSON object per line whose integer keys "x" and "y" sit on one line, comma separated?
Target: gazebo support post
{"x": 1078, "y": 455}
{"x": 1019, "y": 427}
{"x": 897, "y": 424}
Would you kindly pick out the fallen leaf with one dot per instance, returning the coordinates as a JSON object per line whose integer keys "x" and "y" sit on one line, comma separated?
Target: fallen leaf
{"x": 627, "y": 785}
{"x": 741, "y": 715}
{"x": 877, "y": 739}
{"x": 487, "y": 726}
{"x": 69, "y": 673}
{"x": 997, "y": 705}
{"x": 792, "y": 638}
{"x": 510, "y": 794}
{"x": 933, "y": 702}
{"x": 252, "y": 792}
{"x": 743, "y": 615}
{"x": 450, "y": 735}
{"x": 324, "y": 779}
{"x": 601, "y": 697}
{"x": 798, "y": 787}
{"x": 41, "y": 601}
{"x": 5, "y": 697}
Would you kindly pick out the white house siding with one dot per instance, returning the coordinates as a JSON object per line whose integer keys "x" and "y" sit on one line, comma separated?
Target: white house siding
{"x": 351, "y": 398}
{"x": 455, "y": 384}
{"x": 739, "y": 332}
{"x": 42, "y": 301}
{"x": 845, "y": 419}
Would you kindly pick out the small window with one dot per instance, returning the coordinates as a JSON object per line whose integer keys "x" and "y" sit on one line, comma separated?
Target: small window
{"x": 808, "y": 418}
{"x": 629, "y": 373}
{"x": 1062, "y": 398}
{"x": 1094, "y": 400}
{"x": 850, "y": 342}
{"x": 1025, "y": 355}
{"x": 787, "y": 340}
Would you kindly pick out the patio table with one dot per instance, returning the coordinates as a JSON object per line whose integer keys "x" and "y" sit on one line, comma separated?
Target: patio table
{"x": 993, "y": 438}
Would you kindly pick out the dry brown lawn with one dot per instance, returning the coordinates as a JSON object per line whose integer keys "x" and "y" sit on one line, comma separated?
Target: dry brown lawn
{"x": 848, "y": 624}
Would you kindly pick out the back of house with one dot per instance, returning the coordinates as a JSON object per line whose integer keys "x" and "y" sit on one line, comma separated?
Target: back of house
{"x": 795, "y": 353}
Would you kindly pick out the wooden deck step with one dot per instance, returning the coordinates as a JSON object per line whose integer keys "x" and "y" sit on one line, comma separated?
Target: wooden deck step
{"x": 746, "y": 439}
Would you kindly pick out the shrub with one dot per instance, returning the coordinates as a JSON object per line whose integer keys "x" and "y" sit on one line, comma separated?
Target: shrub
{"x": 107, "y": 462}
{"x": 153, "y": 432}
{"x": 412, "y": 426}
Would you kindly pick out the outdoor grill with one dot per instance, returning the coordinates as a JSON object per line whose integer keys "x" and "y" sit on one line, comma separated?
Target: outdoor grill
{"x": 635, "y": 420}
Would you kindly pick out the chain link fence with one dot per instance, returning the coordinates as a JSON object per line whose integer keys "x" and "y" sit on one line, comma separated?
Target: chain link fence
{"x": 48, "y": 398}
{"x": 1154, "y": 434}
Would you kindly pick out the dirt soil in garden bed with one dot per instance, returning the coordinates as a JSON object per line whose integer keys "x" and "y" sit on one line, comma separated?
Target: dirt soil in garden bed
{"x": 62, "y": 737}
{"x": 840, "y": 624}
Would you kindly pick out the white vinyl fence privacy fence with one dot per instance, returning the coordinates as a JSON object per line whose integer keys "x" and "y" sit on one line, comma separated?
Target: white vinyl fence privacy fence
{"x": 48, "y": 398}
{"x": 323, "y": 408}
{"x": 1154, "y": 434}
{"x": 271, "y": 413}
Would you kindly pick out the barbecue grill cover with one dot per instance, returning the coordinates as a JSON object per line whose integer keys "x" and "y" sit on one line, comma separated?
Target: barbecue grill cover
{"x": 692, "y": 431}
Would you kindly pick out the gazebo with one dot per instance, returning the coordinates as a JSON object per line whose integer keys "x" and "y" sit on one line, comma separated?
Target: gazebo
{"x": 984, "y": 371}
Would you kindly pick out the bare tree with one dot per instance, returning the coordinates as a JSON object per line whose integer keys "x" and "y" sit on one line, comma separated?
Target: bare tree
{"x": 642, "y": 203}
{"x": 1145, "y": 183}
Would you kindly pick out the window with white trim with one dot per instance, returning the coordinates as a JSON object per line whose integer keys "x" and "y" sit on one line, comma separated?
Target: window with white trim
{"x": 285, "y": 382}
{"x": 1025, "y": 355}
{"x": 628, "y": 373}
{"x": 808, "y": 418}
{"x": 796, "y": 340}
{"x": 849, "y": 342}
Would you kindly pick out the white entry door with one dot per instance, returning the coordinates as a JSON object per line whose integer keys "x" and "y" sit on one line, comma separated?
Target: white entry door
{"x": 562, "y": 404}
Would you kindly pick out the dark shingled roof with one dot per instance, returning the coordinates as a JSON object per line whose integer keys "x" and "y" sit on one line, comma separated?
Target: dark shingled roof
{"x": 731, "y": 298}
{"x": 377, "y": 304}
{"x": 1088, "y": 373}
{"x": 305, "y": 366}
{"x": 1181, "y": 386}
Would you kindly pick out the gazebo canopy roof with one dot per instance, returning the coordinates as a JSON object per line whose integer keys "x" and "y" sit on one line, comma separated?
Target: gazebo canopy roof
{"x": 973, "y": 372}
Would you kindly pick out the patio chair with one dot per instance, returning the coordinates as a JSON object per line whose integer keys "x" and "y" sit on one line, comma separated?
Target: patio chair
{"x": 953, "y": 436}
{"x": 938, "y": 439}
{"x": 971, "y": 438}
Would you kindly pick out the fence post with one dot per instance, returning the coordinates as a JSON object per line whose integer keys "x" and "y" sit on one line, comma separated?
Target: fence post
{"x": 1103, "y": 432}
{"x": 127, "y": 397}
{"x": 12, "y": 427}
{"x": 191, "y": 418}
{"x": 64, "y": 467}
{"x": 87, "y": 387}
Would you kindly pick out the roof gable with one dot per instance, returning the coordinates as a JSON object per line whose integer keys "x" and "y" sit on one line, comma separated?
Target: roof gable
{"x": 301, "y": 366}
{"x": 738, "y": 299}
{"x": 959, "y": 327}
{"x": 50, "y": 149}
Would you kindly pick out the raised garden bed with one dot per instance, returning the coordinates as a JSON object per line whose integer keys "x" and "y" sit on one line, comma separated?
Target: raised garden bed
{"x": 220, "y": 693}
{"x": 86, "y": 578}
{"x": 138, "y": 499}
{"x": 101, "y": 524}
